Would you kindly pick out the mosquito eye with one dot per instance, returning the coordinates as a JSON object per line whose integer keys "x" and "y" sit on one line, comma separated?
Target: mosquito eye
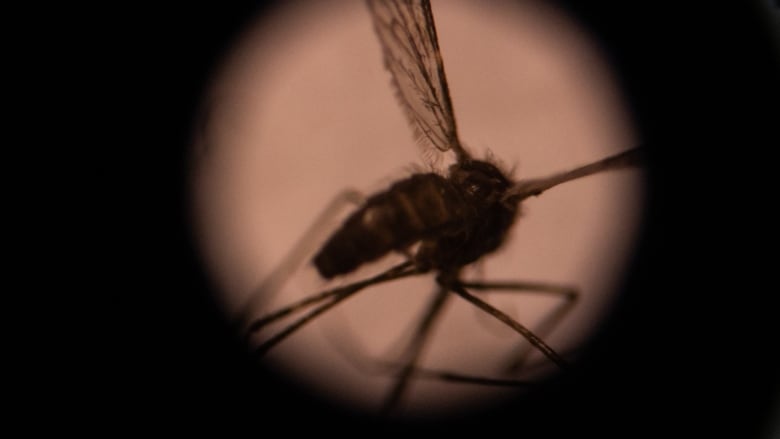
{"x": 475, "y": 189}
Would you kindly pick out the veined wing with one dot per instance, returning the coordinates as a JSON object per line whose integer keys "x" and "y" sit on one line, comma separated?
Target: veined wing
{"x": 411, "y": 53}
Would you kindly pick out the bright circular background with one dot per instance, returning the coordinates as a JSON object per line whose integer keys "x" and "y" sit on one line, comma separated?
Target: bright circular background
{"x": 303, "y": 109}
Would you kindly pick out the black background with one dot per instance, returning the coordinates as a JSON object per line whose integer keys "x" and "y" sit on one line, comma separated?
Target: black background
{"x": 691, "y": 349}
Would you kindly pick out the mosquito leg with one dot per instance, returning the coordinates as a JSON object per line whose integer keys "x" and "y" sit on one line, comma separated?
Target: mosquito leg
{"x": 456, "y": 377}
{"x": 353, "y": 351}
{"x": 292, "y": 308}
{"x": 551, "y": 320}
{"x": 273, "y": 341}
{"x": 336, "y": 296}
{"x": 461, "y": 378}
{"x": 414, "y": 349}
{"x": 349, "y": 348}
{"x": 537, "y": 342}
{"x": 295, "y": 258}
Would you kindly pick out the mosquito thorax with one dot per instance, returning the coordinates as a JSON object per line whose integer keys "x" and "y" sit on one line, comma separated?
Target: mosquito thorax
{"x": 484, "y": 222}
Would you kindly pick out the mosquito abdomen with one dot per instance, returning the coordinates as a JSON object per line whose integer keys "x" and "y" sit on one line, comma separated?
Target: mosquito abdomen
{"x": 407, "y": 212}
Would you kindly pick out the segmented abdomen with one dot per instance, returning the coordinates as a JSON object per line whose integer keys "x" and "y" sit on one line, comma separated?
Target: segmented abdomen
{"x": 407, "y": 212}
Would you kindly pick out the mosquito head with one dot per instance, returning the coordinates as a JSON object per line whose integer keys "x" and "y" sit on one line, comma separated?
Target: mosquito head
{"x": 481, "y": 181}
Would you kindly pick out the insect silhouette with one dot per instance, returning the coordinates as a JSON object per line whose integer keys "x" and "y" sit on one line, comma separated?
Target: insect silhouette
{"x": 440, "y": 223}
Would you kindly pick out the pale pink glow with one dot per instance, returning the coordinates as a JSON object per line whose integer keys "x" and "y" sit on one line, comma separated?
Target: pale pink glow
{"x": 304, "y": 109}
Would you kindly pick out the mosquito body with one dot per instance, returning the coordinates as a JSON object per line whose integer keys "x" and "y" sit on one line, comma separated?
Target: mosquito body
{"x": 456, "y": 220}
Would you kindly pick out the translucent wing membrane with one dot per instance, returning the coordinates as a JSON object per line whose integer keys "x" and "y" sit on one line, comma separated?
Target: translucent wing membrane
{"x": 411, "y": 52}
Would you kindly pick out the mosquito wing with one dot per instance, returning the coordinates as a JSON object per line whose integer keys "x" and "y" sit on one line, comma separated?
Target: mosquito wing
{"x": 411, "y": 52}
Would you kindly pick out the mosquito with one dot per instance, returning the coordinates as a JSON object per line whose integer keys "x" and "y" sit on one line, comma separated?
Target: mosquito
{"x": 440, "y": 222}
